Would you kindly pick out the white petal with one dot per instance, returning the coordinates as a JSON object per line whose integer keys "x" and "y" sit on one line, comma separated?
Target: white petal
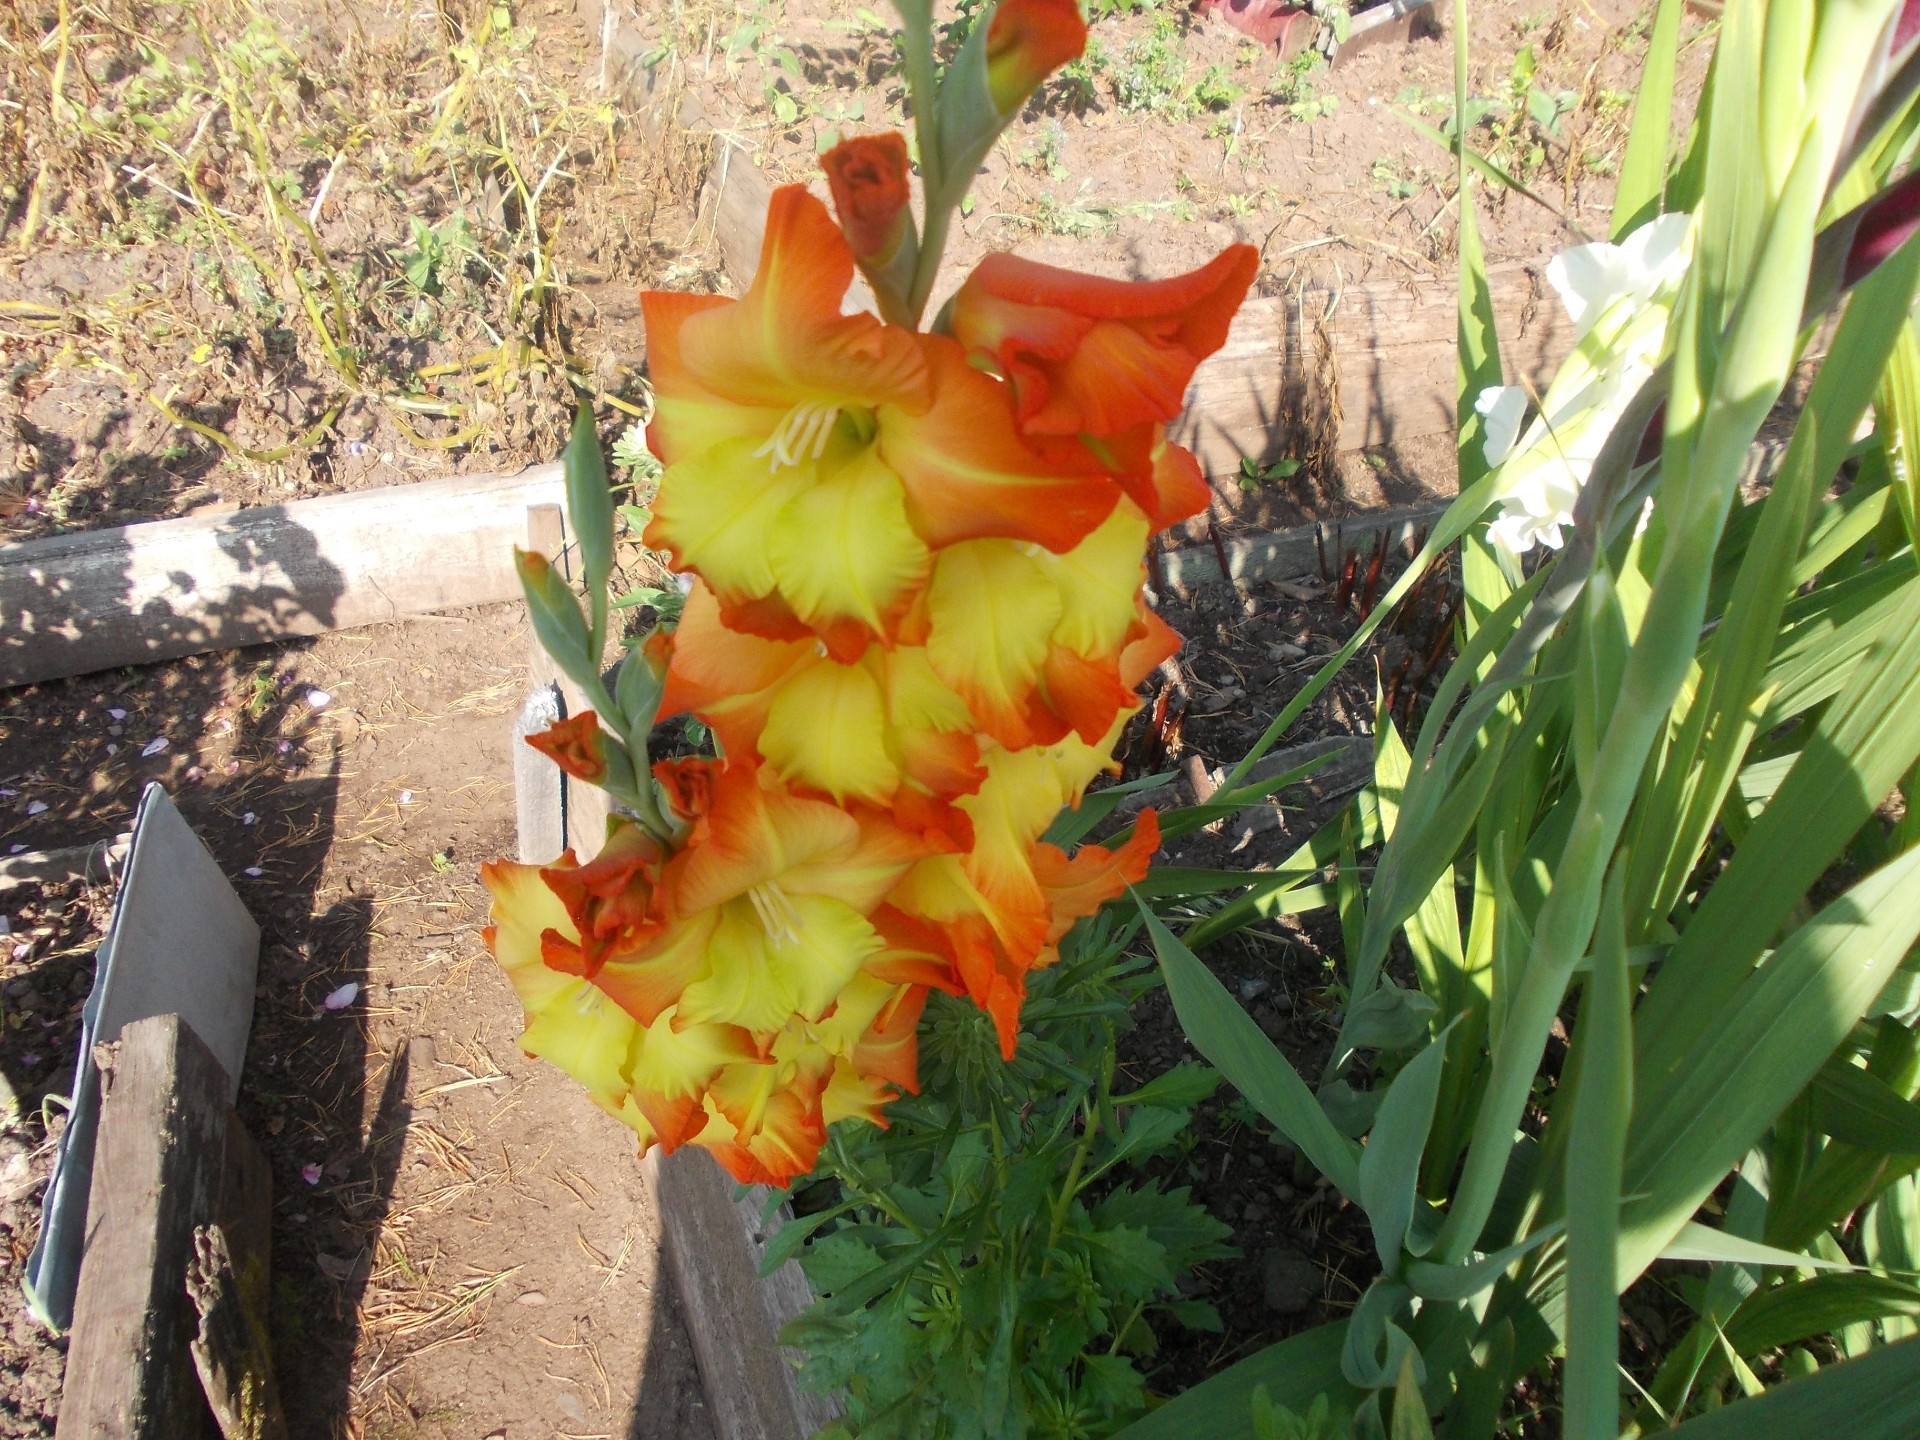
{"x": 1588, "y": 278}
{"x": 1658, "y": 250}
{"x": 1502, "y": 407}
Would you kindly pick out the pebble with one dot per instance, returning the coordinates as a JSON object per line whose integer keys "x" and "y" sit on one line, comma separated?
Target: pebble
{"x": 532, "y": 1298}
{"x": 1289, "y": 1280}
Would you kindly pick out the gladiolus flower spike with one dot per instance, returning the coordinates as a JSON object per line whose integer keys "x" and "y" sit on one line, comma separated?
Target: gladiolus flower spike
{"x": 915, "y": 625}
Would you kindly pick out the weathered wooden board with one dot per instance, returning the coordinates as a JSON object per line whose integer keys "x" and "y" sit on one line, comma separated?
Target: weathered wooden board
{"x": 713, "y": 1250}
{"x": 160, "y": 1168}
{"x": 90, "y": 601}
{"x": 1292, "y": 553}
{"x": 1371, "y": 363}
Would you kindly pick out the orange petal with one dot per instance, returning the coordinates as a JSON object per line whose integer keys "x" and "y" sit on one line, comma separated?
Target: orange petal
{"x": 969, "y": 476}
{"x": 614, "y": 900}
{"x": 1027, "y": 40}
{"x": 764, "y": 1132}
{"x": 726, "y": 677}
{"x": 576, "y": 745}
{"x": 652, "y": 981}
{"x": 688, "y": 418}
{"x": 890, "y": 1049}
{"x": 785, "y": 341}
{"x": 1079, "y": 886}
{"x": 915, "y": 953}
{"x": 1174, "y": 489}
{"x": 1130, "y": 365}
{"x": 995, "y": 985}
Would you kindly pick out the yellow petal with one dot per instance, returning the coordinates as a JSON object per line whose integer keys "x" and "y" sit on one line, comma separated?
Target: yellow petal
{"x": 826, "y": 729}
{"x": 675, "y": 1059}
{"x": 586, "y": 1035}
{"x": 992, "y": 610}
{"x": 917, "y": 698}
{"x": 776, "y": 956}
{"x": 844, "y": 551}
{"x": 1099, "y": 582}
{"x": 523, "y": 907}
{"x": 718, "y": 512}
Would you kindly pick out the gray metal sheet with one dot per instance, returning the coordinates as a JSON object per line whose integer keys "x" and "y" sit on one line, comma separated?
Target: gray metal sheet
{"x": 179, "y": 943}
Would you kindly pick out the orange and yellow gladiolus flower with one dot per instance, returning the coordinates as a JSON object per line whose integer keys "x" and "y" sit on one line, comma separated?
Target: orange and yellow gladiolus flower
{"x": 916, "y": 628}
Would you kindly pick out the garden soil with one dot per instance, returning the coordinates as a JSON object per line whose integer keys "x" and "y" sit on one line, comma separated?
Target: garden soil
{"x": 462, "y": 1245}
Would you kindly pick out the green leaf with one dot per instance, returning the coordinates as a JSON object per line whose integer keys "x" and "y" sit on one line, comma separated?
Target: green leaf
{"x": 1390, "y": 1018}
{"x": 1596, "y": 1152}
{"x": 1698, "y": 1242}
{"x": 1075, "y": 823}
{"x": 1643, "y": 171}
{"x": 590, "y": 509}
{"x": 1876, "y": 1397}
{"x": 790, "y": 1236}
{"x": 996, "y": 1383}
{"x": 1185, "y": 1084}
{"x": 1698, "y": 1111}
{"x": 637, "y": 688}
{"x": 1806, "y": 1309}
{"x": 1410, "y": 1420}
{"x": 1195, "y": 1315}
{"x": 1390, "y": 1165}
{"x": 1130, "y": 1264}
{"x": 1111, "y": 1383}
{"x": 855, "y": 1293}
{"x": 1240, "y": 1051}
{"x": 1479, "y": 341}
{"x": 556, "y": 617}
{"x": 836, "y": 1262}
{"x": 1448, "y": 1283}
{"x": 1295, "y": 1373}
{"x": 1191, "y": 1236}
{"x": 1857, "y": 1106}
{"x": 1149, "y": 1129}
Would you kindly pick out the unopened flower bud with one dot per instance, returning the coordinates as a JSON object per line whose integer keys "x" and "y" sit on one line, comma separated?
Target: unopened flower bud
{"x": 868, "y": 175}
{"x": 1027, "y": 40}
{"x": 1886, "y": 223}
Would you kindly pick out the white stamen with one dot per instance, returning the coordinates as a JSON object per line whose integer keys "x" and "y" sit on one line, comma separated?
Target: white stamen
{"x": 775, "y": 912}
{"x": 801, "y": 435}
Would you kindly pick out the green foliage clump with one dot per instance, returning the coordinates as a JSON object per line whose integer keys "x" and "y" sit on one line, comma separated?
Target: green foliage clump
{"x": 990, "y": 1264}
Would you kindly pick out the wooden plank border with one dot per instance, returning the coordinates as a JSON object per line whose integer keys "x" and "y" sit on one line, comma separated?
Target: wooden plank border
{"x": 98, "y": 599}
{"x": 171, "y": 1156}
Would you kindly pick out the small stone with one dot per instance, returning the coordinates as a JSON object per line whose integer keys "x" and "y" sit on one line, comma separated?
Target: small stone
{"x": 1255, "y": 1212}
{"x": 532, "y": 1298}
{"x": 1289, "y": 1281}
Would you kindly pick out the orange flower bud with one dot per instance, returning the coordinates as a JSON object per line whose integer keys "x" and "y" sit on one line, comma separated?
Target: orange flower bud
{"x": 868, "y": 177}
{"x": 575, "y": 745}
{"x": 1027, "y": 40}
{"x": 614, "y": 901}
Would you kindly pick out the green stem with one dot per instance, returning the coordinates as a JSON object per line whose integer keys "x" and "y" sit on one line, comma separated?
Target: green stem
{"x": 1064, "y": 1201}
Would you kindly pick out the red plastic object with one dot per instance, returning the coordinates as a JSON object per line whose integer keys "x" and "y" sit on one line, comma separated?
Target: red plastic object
{"x": 1271, "y": 22}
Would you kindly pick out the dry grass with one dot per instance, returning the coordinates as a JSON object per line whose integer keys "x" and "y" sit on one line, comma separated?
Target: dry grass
{"x": 313, "y": 234}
